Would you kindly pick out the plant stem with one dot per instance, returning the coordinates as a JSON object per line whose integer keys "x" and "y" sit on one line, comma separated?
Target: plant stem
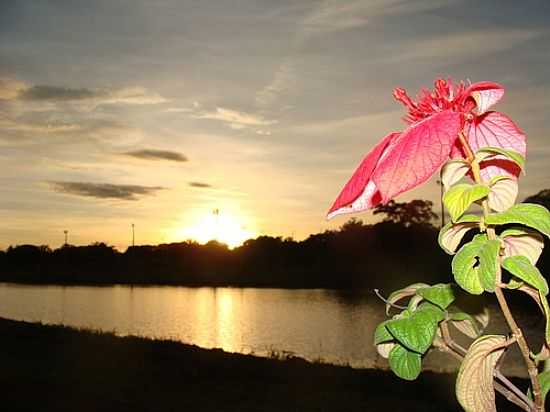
{"x": 506, "y": 382}
{"x": 512, "y": 324}
{"x": 449, "y": 340}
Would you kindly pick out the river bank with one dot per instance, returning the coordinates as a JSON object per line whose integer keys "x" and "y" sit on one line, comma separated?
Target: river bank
{"x": 51, "y": 368}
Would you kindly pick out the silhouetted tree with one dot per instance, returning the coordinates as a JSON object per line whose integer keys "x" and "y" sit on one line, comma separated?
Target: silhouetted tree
{"x": 541, "y": 198}
{"x": 357, "y": 255}
{"x": 416, "y": 211}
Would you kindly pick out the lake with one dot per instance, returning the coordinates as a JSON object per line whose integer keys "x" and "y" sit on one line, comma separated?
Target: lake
{"x": 332, "y": 326}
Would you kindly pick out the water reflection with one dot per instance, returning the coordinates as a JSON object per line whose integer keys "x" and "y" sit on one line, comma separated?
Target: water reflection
{"x": 332, "y": 326}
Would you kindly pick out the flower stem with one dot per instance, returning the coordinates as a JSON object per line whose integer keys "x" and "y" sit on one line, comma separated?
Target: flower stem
{"x": 512, "y": 324}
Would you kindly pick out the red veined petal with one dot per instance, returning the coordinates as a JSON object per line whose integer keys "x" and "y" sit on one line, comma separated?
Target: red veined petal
{"x": 485, "y": 94}
{"x": 360, "y": 192}
{"x": 497, "y": 130}
{"x": 417, "y": 154}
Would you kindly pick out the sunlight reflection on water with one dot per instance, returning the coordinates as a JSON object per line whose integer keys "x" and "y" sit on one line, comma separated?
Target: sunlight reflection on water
{"x": 315, "y": 324}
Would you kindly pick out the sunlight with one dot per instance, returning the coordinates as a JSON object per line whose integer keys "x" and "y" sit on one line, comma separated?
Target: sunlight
{"x": 216, "y": 225}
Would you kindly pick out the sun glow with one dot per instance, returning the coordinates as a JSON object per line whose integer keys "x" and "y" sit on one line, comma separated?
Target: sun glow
{"x": 216, "y": 225}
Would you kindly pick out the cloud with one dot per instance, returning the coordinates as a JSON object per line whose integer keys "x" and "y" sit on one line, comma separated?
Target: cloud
{"x": 200, "y": 185}
{"x": 55, "y": 93}
{"x": 234, "y": 117}
{"x": 133, "y": 95}
{"x": 152, "y": 154}
{"x": 237, "y": 126}
{"x": 11, "y": 89}
{"x": 196, "y": 105}
{"x": 179, "y": 110}
{"x": 336, "y": 15}
{"x": 104, "y": 190}
{"x": 283, "y": 79}
{"x": 51, "y": 127}
{"x": 460, "y": 46}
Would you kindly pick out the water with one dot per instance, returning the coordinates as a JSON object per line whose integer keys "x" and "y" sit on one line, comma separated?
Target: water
{"x": 314, "y": 324}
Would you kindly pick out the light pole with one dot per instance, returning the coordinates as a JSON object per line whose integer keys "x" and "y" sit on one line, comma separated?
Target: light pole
{"x": 133, "y": 236}
{"x": 66, "y": 232}
{"x": 216, "y": 213}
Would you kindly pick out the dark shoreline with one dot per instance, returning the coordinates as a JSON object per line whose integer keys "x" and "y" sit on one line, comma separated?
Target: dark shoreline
{"x": 54, "y": 368}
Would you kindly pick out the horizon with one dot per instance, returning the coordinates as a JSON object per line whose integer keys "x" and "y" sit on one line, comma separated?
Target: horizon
{"x": 112, "y": 115}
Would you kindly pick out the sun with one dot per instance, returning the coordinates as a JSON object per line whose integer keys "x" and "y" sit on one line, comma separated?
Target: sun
{"x": 217, "y": 225}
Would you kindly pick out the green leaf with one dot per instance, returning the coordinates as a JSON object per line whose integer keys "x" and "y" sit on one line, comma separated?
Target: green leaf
{"x": 514, "y": 284}
{"x": 546, "y": 308}
{"x": 544, "y": 380}
{"x": 460, "y": 197}
{"x": 417, "y": 331}
{"x": 488, "y": 264}
{"x": 528, "y": 214}
{"x": 404, "y": 363}
{"x": 474, "y": 384}
{"x": 441, "y": 294}
{"x": 521, "y": 267}
{"x": 381, "y": 333}
{"x": 475, "y": 265}
{"x": 451, "y": 234}
{"x": 437, "y": 312}
{"x": 403, "y": 293}
{"x": 504, "y": 192}
{"x": 514, "y": 156}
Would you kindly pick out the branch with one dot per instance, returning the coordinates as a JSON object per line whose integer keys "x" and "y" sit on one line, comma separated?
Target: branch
{"x": 501, "y": 377}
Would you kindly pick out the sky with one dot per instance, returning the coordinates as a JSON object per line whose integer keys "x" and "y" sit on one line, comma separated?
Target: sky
{"x": 235, "y": 118}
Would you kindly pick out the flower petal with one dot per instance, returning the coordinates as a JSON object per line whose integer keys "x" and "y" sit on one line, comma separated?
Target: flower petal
{"x": 417, "y": 154}
{"x": 360, "y": 192}
{"x": 485, "y": 94}
{"x": 497, "y": 130}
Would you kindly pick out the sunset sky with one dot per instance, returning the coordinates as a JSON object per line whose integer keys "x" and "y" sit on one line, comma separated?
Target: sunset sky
{"x": 159, "y": 112}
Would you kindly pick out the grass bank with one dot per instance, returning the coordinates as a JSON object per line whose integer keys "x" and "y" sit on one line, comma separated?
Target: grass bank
{"x": 50, "y": 368}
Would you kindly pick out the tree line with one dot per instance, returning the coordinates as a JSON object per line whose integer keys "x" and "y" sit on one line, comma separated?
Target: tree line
{"x": 387, "y": 254}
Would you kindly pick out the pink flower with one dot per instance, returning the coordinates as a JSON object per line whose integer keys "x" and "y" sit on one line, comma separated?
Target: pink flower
{"x": 404, "y": 160}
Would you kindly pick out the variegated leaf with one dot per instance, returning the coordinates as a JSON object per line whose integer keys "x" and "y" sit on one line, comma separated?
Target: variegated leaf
{"x": 466, "y": 324}
{"x": 470, "y": 325}
{"x": 492, "y": 151}
{"x": 503, "y": 194}
{"x": 453, "y": 171}
{"x": 384, "y": 349}
{"x": 522, "y": 242}
{"x": 533, "y": 293}
{"x": 474, "y": 385}
{"x": 451, "y": 234}
{"x": 403, "y": 293}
